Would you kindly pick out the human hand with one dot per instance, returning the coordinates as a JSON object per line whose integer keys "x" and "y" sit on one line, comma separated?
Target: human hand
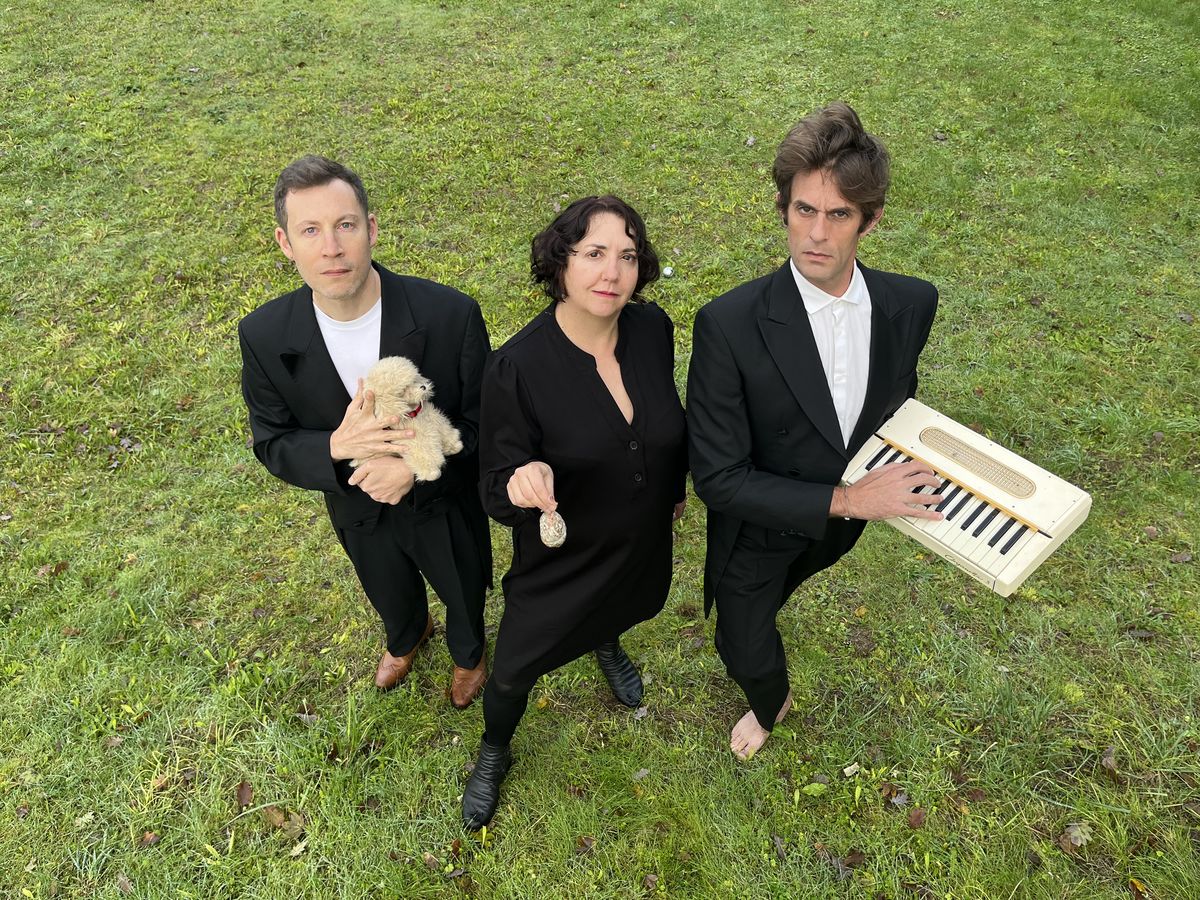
{"x": 532, "y": 486}
{"x": 677, "y": 512}
{"x": 385, "y": 479}
{"x": 887, "y": 492}
{"x": 361, "y": 435}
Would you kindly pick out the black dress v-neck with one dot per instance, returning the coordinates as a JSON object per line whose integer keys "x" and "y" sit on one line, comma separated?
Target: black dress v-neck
{"x": 616, "y": 483}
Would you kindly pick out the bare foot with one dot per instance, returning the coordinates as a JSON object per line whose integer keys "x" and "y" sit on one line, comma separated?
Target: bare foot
{"x": 748, "y": 736}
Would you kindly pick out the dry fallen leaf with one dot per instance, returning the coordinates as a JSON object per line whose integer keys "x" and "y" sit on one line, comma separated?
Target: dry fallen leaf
{"x": 584, "y": 844}
{"x": 1182, "y": 557}
{"x": 275, "y": 816}
{"x": 23, "y": 811}
{"x": 923, "y": 891}
{"x": 650, "y": 882}
{"x": 431, "y": 861}
{"x": 916, "y": 818}
{"x": 245, "y": 793}
{"x": 1074, "y": 836}
{"x": 149, "y": 839}
{"x": 851, "y": 770}
{"x": 294, "y": 828}
{"x": 1138, "y": 889}
{"x": 1108, "y": 761}
{"x": 160, "y": 782}
{"x": 854, "y": 859}
{"x": 123, "y": 883}
{"x": 298, "y": 849}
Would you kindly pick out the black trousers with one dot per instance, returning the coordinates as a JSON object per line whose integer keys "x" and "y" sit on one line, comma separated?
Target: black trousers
{"x": 444, "y": 548}
{"x": 504, "y": 705}
{"x": 764, "y": 569}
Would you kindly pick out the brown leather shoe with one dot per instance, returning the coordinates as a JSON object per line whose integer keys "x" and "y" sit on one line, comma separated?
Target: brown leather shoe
{"x": 392, "y": 670}
{"x": 468, "y": 683}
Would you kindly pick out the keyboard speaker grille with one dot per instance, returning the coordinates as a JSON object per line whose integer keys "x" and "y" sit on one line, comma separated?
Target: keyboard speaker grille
{"x": 978, "y": 463}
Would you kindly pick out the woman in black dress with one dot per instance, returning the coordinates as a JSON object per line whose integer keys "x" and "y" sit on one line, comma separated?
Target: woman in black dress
{"x": 580, "y": 417}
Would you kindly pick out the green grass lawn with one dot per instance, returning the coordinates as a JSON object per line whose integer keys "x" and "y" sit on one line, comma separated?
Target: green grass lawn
{"x": 175, "y": 623}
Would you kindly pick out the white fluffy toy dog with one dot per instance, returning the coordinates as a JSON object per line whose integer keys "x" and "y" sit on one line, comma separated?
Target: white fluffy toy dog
{"x": 400, "y": 390}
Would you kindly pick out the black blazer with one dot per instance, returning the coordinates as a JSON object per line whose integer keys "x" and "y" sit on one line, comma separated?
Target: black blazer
{"x": 296, "y": 399}
{"x": 765, "y": 447}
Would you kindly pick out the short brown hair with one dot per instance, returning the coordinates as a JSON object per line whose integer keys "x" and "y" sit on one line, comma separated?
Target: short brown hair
{"x": 832, "y": 138}
{"x": 552, "y": 246}
{"x": 313, "y": 171}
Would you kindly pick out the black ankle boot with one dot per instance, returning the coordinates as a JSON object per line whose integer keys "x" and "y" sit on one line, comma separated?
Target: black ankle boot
{"x": 622, "y": 677}
{"x": 482, "y": 792}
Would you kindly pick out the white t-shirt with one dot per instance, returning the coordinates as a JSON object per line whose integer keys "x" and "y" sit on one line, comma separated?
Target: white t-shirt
{"x": 353, "y": 345}
{"x": 842, "y": 329}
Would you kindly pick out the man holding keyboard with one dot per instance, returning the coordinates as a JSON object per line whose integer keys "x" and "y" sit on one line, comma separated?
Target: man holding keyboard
{"x": 790, "y": 374}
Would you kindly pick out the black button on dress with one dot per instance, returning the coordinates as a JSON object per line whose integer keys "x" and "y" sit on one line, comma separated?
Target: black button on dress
{"x": 616, "y": 484}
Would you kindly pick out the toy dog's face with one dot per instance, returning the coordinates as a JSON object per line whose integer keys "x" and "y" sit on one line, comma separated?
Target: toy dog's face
{"x": 415, "y": 393}
{"x": 399, "y": 380}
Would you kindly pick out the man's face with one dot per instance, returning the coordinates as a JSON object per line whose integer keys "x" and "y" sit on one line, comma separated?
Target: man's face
{"x": 329, "y": 237}
{"x": 823, "y": 231}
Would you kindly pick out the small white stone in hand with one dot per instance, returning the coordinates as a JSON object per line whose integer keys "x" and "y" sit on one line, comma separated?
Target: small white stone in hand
{"x": 553, "y": 529}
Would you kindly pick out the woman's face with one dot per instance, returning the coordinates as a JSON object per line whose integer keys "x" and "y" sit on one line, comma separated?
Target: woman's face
{"x": 602, "y": 270}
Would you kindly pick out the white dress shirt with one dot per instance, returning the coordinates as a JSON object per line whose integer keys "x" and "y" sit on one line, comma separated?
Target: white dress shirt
{"x": 353, "y": 346}
{"x": 842, "y": 329}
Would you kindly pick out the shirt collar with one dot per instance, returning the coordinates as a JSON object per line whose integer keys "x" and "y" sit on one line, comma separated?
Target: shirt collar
{"x": 816, "y": 299}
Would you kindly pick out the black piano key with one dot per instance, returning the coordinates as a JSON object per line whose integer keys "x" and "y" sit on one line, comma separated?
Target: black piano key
{"x": 961, "y": 503}
{"x": 906, "y": 459}
{"x": 985, "y": 523}
{"x": 946, "y": 500}
{"x": 891, "y": 459}
{"x": 1012, "y": 540}
{"x": 878, "y": 456}
{"x": 974, "y": 514}
{"x": 999, "y": 534}
{"x": 932, "y": 490}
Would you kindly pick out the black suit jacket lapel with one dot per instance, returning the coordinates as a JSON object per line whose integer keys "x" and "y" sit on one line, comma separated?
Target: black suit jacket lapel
{"x": 398, "y": 331}
{"x": 889, "y": 323}
{"x": 789, "y": 339}
{"x": 307, "y": 358}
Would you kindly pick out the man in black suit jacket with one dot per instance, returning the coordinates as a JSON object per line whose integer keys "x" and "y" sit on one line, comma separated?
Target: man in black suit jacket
{"x": 303, "y": 359}
{"x": 790, "y": 374}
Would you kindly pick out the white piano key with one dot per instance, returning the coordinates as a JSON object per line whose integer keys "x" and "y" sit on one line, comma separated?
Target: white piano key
{"x": 982, "y": 548}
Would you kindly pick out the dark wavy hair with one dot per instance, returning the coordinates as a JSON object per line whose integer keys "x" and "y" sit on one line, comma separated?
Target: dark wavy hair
{"x": 551, "y": 248}
{"x": 833, "y": 138}
{"x": 314, "y": 171}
